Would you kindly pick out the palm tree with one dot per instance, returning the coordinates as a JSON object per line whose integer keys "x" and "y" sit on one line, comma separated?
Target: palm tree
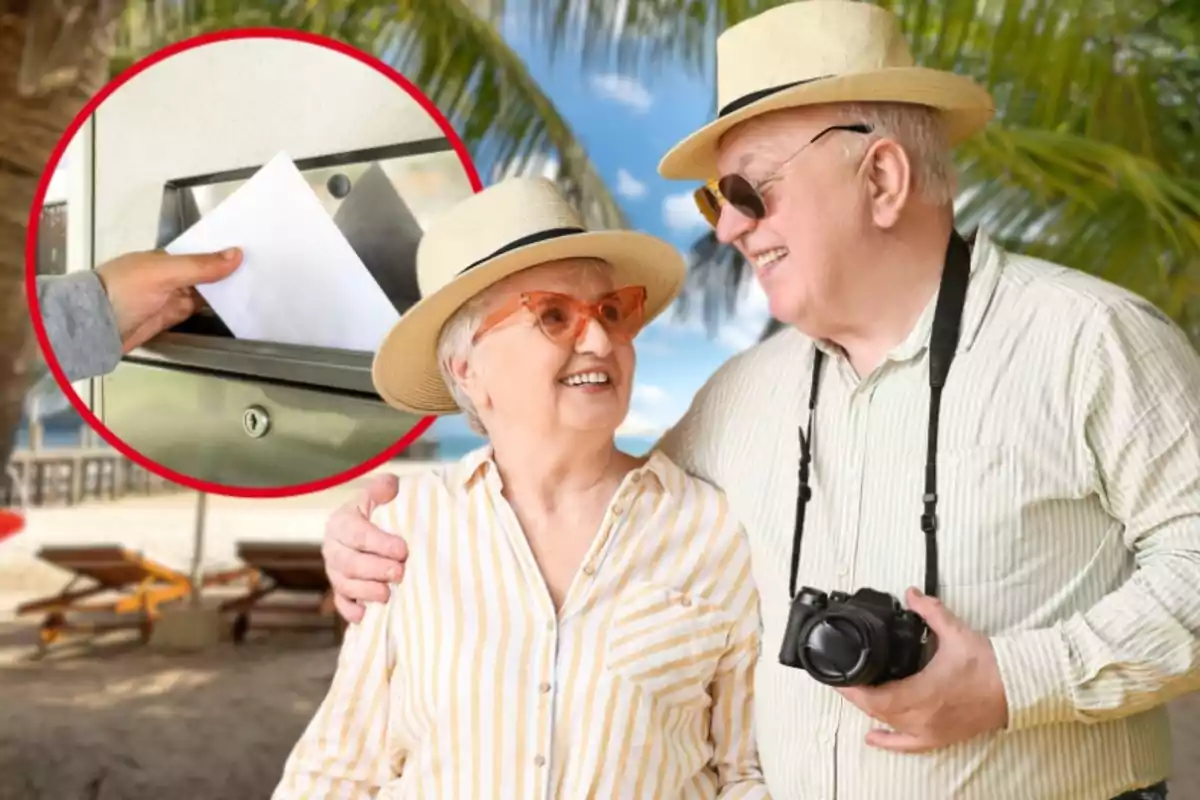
{"x": 49, "y": 66}
{"x": 452, "y": 49}
{"x": 1094, "y": 159}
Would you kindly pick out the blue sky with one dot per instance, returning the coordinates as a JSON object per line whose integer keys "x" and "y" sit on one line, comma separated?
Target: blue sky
{"x": 626, "y": 124}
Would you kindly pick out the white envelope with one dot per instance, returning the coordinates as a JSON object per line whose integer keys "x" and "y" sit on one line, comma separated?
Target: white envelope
{"x": 300, "y": 282}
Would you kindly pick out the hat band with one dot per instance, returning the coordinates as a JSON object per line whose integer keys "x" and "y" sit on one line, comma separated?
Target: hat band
{"x": 753, "y": 97}
{"x": 533, "y": 238}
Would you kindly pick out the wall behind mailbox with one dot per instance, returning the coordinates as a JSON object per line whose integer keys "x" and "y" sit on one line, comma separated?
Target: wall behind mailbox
{"x": 228, "y": 105}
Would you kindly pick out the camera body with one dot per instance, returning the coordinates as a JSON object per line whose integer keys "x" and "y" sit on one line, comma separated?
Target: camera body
{"x": 861, "y": 639}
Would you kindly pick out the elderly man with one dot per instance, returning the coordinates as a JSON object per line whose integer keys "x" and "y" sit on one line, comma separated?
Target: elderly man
{"x": 1020, "y": 439}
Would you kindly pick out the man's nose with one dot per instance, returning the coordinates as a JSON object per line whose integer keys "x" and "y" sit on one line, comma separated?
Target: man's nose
{"x": 733, "y": 224}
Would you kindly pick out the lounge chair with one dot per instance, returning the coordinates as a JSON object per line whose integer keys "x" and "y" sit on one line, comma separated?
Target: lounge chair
{"x": 292, "y": 567}
{"x": 142, "y": 587}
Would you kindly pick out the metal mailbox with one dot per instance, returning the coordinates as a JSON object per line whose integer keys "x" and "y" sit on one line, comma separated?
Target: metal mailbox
{"x": 259, "y": 413}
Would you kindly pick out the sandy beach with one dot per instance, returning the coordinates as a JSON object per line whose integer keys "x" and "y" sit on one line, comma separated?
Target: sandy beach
{"x": 110, "y": 719}
{"x": 105, "y": 718}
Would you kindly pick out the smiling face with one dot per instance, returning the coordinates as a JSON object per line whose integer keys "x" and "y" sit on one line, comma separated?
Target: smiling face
{"x": 520, "y": 379}
{"x": 817, "y": 207}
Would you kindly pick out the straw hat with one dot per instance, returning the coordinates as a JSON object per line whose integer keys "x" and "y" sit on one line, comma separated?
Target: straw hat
{"x": 510, "y": 226}
{"x": 821, "y": 51}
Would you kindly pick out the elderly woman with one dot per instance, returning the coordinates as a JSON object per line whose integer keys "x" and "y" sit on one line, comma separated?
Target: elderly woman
{"x": 573, "y": 621}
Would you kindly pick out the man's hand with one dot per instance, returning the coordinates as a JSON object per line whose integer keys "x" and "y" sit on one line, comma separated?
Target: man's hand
{"x": 152, "y": 291}
{"x": 958, "y": 695}
{"x": 361, "y": 559}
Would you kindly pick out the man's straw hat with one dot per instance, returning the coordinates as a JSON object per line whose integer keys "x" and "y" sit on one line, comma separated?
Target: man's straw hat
{"x": 510, "y": 226}
{"x": 822, "y": 51}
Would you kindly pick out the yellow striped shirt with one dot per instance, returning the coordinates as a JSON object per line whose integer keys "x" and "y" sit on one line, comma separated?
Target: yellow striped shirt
{"x": 468, "y": 684}
{"x": 1069, "y": 529}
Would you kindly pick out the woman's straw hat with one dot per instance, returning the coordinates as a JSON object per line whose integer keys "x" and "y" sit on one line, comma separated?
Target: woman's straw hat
{"x": 510, "y": 226}
{"x": 822, "y": 51}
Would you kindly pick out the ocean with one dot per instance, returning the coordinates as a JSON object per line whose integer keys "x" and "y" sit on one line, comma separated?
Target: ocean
{"x": 55, "y": 438}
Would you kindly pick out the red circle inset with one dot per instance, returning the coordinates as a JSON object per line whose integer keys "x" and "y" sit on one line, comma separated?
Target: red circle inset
{"x": 60, "y": 377}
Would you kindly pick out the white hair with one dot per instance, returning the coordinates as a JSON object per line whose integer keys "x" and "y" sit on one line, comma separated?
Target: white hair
{"x": 919, "y": 130}
{"x": 454, "y": 344}
{"x": 454, "y": 340}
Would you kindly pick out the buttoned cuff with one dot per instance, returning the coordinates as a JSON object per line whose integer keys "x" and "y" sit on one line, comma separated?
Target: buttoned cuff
{"x": 1034, "y": 670}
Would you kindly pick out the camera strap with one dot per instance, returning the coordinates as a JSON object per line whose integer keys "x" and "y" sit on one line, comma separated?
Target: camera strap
{"x": 943, "y": 341}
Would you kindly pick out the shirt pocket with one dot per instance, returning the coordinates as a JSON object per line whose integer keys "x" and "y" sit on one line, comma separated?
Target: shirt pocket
{"x": 980, "y": 536}
{"x": 666, "y": 642}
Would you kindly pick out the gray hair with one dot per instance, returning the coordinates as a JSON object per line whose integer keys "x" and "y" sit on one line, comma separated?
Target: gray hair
{"x": 454, "y": 343}
{"x": 454, "y": 339}
{"x": 918, "y": 129}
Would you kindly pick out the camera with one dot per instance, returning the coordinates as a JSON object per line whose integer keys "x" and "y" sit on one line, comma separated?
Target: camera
{"x": 864, "y": 639}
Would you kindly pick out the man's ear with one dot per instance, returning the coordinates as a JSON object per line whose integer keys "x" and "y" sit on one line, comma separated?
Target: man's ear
{"x": 889, "y": 178}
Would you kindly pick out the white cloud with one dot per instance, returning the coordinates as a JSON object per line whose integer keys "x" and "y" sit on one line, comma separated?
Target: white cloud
{"x": 636, "y": 424}
{"x": 645, "y": 393}
{"x": 680, "y": 212}
{"x": 626, "y": 91}
{"x": 629, "y": 186}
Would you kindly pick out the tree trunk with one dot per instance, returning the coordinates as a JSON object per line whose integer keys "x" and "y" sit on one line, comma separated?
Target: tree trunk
{"x": 30, "y": 126}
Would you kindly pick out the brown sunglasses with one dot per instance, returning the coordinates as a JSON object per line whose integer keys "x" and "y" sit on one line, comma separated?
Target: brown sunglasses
{"x": 745, "y": 196}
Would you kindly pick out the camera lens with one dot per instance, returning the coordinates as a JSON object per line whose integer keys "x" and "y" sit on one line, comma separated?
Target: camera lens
{"x": 846, "y": 650}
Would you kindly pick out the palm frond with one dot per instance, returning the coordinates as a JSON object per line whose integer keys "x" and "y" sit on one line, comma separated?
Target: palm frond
{"x": 715, "y": 278}
{"x": 630, "y": 35}
{"x": 465, "y": 67}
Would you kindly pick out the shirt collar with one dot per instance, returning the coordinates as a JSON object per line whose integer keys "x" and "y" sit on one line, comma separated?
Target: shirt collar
{"x": 479, "y": 464}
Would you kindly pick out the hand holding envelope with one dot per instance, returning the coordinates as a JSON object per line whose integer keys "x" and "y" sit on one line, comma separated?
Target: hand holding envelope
{"x": 300, "y": 282}
{"x": 152, "y": 291}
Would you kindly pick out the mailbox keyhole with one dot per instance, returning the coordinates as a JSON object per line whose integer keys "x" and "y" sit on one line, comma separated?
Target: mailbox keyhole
{"x": 256, "y": 422}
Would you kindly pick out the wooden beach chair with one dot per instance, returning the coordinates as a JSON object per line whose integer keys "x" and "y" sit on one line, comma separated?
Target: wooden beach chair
{"x": 292, "y": 567}
{"x": 141, "y": 587}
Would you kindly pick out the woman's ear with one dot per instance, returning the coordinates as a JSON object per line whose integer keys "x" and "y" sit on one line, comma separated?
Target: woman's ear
{"x": 460, "y": 372}
{"x": 464, "y": 374}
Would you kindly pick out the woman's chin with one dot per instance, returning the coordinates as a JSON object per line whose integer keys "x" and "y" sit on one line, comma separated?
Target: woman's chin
{"x": 597, "y": 423}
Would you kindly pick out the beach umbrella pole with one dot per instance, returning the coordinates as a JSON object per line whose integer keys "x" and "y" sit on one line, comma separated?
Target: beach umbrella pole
{"x": 198, "y": 548}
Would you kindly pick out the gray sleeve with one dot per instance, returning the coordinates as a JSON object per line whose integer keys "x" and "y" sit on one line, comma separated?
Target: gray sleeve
{"x": 79, "y": 323}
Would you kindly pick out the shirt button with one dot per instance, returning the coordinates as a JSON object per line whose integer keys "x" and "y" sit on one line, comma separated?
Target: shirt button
{"x": 540, "y": 761}
{"x": 843, "y": 570}
{"x": 686, "y": 602}
{"x": 618, "y": 510}
{"x": 549, "y": 624}
{"x": 544, "y": 687}
{"x": 589, "y": 570}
